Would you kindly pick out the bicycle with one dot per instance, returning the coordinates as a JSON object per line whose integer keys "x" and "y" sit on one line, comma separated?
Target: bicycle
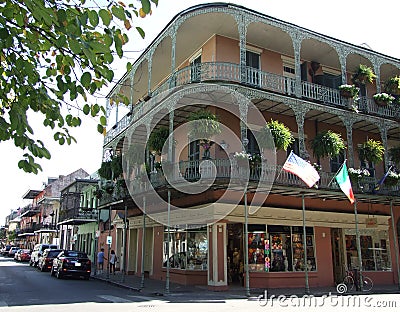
{"x": 349, "y": 282}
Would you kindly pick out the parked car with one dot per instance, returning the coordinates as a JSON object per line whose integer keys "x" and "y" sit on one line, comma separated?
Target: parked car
{"x": 5, "y": 250}
{"x": 12, "y": 251}
{"x": 38, "y": 251}
{"x": 22, "y": 255}
{"x": 71, "y": 263}
{"x": 46, "y": 260}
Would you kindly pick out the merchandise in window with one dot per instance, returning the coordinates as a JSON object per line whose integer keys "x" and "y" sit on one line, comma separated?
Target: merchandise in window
{"x": 187, "y": 249}
{"x": 281, "y": 249}
{"x": 375, "y": 254}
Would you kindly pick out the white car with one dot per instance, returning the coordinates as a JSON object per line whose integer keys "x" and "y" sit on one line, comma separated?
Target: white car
{"x": 38, "y": 251}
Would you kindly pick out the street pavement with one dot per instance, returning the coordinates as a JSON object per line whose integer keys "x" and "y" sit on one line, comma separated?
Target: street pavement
{"x": 157, "y": 288}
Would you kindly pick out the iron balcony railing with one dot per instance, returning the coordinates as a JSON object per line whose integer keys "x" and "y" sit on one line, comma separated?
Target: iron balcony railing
{"x": 83, "y": 213}
{"x": 225, "y": 170}
{"x": 234, "y": 73}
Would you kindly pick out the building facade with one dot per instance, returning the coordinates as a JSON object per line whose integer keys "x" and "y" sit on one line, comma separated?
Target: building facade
{"x": 240, "y": 64}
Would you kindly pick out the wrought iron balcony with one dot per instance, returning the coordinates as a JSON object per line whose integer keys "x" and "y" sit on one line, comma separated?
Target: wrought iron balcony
{"x": 233, "y": 73}
{"x": 225, "y": 170}
{"x": 78, "y": 213}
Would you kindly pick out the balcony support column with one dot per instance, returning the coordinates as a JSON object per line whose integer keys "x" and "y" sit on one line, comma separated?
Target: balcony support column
{"x": 173, "y": 49}
{"x": 297, "y": 63}
{"x": 348, "y": 122}
{"x": 300, "y": 113}
{"x": 171, "y": 136}
{"x": 242, "y": 29}
{"x": 343, "y": 67}
{"x": 377, "y": 71}
{"x": 243, "y": 108}
{"x": 383, "y": 128}
{"x": 150, "y": 66}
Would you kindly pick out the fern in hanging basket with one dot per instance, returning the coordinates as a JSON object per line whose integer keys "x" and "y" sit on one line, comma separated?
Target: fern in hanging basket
{"x": 392, "y": 85}
{"x": 371, "y": 151}
{"x": 105, "y": 170}
{"x": 392, "y": 179}
{"x": 157, "y": 139}
{"x": 363, "y": 74}
{"x": 327, "y": 144}
{"x": 203, "y": 125}
{"x": 281, "y": 135}
{"x": 394, "y": 154}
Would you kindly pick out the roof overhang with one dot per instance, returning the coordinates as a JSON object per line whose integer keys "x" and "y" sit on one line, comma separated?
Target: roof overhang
{"x": 45, "y": 231}
{"x": 76, "y": 221}
{"x": 26, "y": 234}
{"x": 31, "y": 194}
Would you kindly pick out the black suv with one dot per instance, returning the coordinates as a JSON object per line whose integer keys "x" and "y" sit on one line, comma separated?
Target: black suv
{"x": 71, "y": 263}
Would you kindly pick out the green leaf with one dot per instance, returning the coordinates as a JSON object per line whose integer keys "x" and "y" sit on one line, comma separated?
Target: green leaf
{"x": 100, "y": 128}
{"x": 103, "y": 120}
{"x": 146, "y": 6}
{"x": 86, "y": 79}
{"x": 105, "y": 17}
{"x": 93, "y": 18}
{"x": 3, "y": 33}
{"x": 119, "y": 12}
{"x": 86, "y": 109}
{"x": 140, "y": 31}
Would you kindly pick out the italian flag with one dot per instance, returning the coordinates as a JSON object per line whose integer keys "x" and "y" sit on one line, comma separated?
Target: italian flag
{"x": 343, "y": 179}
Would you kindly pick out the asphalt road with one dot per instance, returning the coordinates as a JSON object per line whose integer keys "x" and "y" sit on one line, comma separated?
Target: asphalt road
{"x": 24, "y": 288}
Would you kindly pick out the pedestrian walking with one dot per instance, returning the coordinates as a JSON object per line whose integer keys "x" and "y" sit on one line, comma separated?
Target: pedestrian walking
{"x": 100, "y": 260}
{"x": 113, "y": 260}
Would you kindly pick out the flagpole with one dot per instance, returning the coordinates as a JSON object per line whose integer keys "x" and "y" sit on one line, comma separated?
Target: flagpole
{"x": 307, "y": 289}
{"x": 336, "y": 173}
{"x": 358, "y": 247}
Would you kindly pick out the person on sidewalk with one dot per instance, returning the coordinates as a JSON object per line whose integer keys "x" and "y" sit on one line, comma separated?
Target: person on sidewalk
{"x": 100, "y": 260}
{"x": 113, "y": 260}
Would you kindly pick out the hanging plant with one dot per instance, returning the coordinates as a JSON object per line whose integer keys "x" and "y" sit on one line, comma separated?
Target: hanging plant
{"x": 383, "y": 99}
{"x": 371, "y": 151}
{"x": 394, "y": 154}
{"x": 105, "y": 170}
{"x": 116, "y": 166}
{"x": 363, "y": 74}
{"x": 392, "y": 179}
{"x": 281, "y": 134}
{"x": 392, "y": 85}
{"x": 203, "y": 125}
{"x": 349, "y": 91}
{"x": 327, "y": 144}
{"x": 157, "y": 139}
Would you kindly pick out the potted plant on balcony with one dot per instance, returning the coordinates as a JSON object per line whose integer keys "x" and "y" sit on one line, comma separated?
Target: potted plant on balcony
{"x": 383, "y": 99}
{"x": 203, "y": 125}
{"x": 327, "y": 144}
{"x": 242, "y": 158}
{"x": 280, "y": 133}
{"x": 394, "y": 154}
{"x": 157, "y": 139}
{"x": 363, "y": 74}
{"x": 392, "y": 179}
{"x": 349, "y": 91}
{"x": 392, "y": 85}
{"x": 371, "y": 151}
{"x": 356, "y": 175}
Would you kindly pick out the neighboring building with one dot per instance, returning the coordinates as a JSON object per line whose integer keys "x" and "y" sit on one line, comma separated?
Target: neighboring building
{"x": 78, "y": 221}
{"x": 290, "y": 74}
{"x": 39, "y": 219}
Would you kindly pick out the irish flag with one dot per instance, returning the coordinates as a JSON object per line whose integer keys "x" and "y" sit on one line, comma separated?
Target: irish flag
{"x": 343, "y": 179}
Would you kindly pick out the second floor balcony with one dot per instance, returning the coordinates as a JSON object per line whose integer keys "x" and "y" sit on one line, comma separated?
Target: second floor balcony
{"x": 225, "y": 173}
{"x": 77, "y": 215}
{"x": 230, "y": 73}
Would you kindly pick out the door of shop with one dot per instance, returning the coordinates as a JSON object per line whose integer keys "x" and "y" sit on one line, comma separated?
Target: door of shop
{"x": 235, "y": 253}
{"x": 337, "y": 255}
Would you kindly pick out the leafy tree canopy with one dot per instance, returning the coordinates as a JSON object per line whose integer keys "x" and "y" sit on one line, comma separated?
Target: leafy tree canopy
{"x": 53, "y": 52}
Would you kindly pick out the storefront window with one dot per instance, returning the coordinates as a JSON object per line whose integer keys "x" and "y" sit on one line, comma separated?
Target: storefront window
{"x": 280, "y": 249}
{"x": 187, "y": 249}
{"x": 375, "y": 254}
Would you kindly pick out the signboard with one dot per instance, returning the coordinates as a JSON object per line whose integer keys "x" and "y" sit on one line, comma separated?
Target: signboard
{"x": 371, "y": 222}
{"x": 109, "y": 240}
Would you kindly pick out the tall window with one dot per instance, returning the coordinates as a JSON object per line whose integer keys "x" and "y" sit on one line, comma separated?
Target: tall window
{"x": 253, "y": 66}
{"x": 195, "y": 69}
{"x": 252, "y": 147}
{"x": 336, "y": 162}
{"x": 194, "y": 150}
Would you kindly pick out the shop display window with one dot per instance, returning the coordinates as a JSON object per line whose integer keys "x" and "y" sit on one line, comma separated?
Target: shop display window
{"x": 280, "y": 249}
{"x": 374, "y": 252}
{"x": 187, "y": 249}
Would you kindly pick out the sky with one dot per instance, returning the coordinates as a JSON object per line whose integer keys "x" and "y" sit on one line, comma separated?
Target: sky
{"x": 358, "y": 22}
